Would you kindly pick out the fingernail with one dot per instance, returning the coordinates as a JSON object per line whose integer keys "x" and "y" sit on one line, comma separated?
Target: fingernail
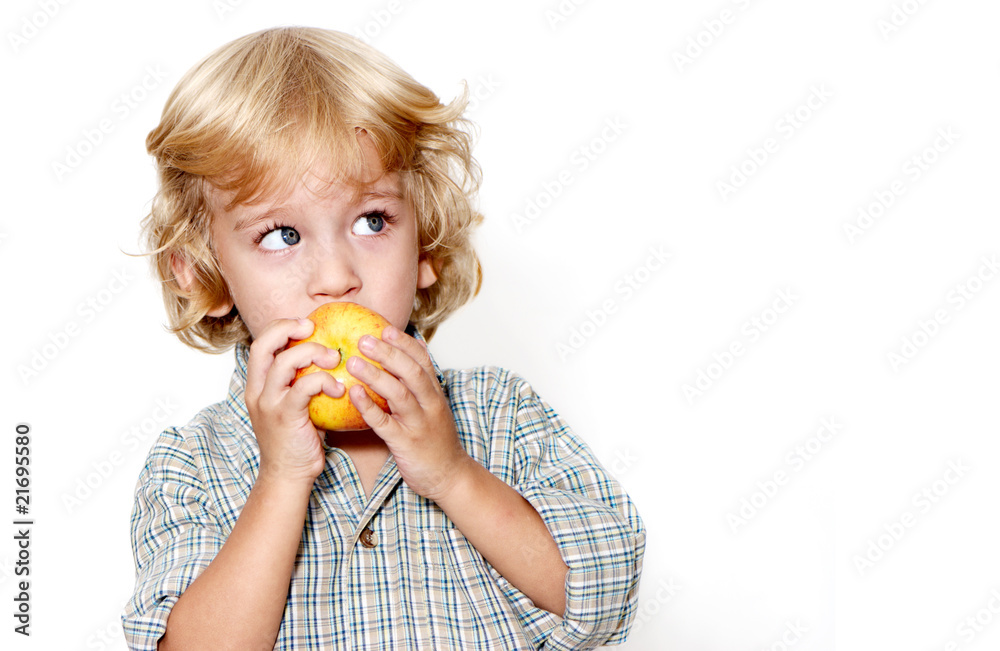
{"x": 390, "y": 333}
{"x": 367, "y": 343}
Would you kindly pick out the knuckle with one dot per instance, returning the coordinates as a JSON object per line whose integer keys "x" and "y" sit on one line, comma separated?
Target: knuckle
{"x": 409, "y": 367}
{"x": 374, "y": 416}
{"x": 389, "y": 353}
{"x": 255, "y": 348}
{"x": 267, "y": 405}
{"x": 403, "y": 397}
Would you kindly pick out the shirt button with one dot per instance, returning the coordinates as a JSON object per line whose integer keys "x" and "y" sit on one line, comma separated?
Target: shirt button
{"x": 368, "y": 538}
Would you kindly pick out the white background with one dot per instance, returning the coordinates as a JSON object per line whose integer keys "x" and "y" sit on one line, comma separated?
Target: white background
{"x": 814, "y": 564}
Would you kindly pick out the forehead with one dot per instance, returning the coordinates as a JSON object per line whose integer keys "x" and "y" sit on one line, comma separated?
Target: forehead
{"x": 359, "y": 178}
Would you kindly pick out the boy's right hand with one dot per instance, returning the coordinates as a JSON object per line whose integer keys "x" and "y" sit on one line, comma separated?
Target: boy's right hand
{"x": 291, "y": 447}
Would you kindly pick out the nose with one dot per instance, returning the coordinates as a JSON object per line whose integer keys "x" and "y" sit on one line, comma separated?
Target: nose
{"x": 333, "y": 274}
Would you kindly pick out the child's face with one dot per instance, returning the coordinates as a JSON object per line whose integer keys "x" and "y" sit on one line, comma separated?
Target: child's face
{"x": 286, "y": 257}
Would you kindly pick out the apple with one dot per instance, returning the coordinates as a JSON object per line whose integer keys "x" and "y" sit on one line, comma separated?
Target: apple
{"x": 339, "y": 326}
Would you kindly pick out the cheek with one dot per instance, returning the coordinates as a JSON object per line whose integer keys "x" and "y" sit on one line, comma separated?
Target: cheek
{"x": 251, "y": 315}
{"x": 394, "y": 297}
{"x": 407, "y": 292}
{"x": 255, "y": 298}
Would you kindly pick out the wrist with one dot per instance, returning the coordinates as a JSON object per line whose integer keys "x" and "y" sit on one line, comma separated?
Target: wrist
{"x": 462, "y": 483}
{"x": 273, "y": 480}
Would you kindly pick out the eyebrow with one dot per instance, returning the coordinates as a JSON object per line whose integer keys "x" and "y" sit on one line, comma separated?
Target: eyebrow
{"x": 247, "y": 221}
{"x": 391, "y": 193}
{"x": 278, "y": 212}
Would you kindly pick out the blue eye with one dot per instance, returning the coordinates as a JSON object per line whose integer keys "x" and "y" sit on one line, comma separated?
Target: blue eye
{"x": 279, "y": 238}
{"x": 370, "y": 224}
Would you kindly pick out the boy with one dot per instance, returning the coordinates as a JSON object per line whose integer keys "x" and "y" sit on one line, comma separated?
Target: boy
{"x": 298, "y": 167}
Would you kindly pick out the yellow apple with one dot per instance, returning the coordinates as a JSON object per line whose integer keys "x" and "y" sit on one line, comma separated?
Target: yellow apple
{"x": 339, "y": 326}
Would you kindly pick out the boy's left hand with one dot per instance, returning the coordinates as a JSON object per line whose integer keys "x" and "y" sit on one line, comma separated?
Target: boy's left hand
{"x": 420, "y": 431}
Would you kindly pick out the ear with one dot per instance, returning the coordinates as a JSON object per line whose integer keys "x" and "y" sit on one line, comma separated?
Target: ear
{"x": 426, "y": 272}
{"x": 184, "y": 273}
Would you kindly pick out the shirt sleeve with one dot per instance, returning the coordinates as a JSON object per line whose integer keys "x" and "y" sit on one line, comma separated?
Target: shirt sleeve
{"x": 175, "y": 535}
{"x": 594, "y": 523}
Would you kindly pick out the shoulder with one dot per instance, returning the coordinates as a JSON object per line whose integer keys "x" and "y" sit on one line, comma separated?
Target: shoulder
{"x": 498, "y": 403}
{"x": 211, "y": 438}
{"x": 202, "y": 470}
{"x": 484, "y": 384}
{"x": 492, "y": 394}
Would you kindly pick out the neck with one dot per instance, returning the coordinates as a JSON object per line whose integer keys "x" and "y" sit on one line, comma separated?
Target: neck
{"x": 364, "y": 441}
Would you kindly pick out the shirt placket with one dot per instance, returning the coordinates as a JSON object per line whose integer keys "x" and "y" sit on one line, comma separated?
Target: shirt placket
{"x": 367, "y": 554}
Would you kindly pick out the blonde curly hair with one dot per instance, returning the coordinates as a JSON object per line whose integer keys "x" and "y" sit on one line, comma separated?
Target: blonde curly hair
{"x": 253, "y": 116}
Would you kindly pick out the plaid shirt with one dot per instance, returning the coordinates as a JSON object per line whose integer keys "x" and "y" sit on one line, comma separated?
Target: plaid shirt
{"x": 393, "y": 572}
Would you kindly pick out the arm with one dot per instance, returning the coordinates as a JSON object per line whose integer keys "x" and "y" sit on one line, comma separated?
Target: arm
{"x": 598, "y": 529}
{"x": 546, "y": 507}
{"x": 239, "y": 600}
{"x": 421, "y": 435}
{"x": 508, "y": 532}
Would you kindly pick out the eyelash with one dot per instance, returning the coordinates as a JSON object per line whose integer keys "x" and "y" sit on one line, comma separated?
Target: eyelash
{"x": 268, "y": 227}
{"x": 387, "y": 217}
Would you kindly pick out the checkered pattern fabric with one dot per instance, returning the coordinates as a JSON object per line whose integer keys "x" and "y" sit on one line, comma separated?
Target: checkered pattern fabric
{"x": 422, "y": 585}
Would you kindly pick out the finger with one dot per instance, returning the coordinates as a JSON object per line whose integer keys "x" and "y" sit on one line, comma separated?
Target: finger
{"x": 411, "y": 346}
{"x": 417, "y": 381}
{"x": 401, "y": 399}
{"x": 329, "y": 361}
{"x": 288, "y": 362}
{"x": 311, "y": 385}
{"x": 377, "y": 419}
{"x": 272, "y": 339}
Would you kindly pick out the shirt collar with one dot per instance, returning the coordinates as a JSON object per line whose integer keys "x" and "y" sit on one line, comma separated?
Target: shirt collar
{"x": 237, "y": 385}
